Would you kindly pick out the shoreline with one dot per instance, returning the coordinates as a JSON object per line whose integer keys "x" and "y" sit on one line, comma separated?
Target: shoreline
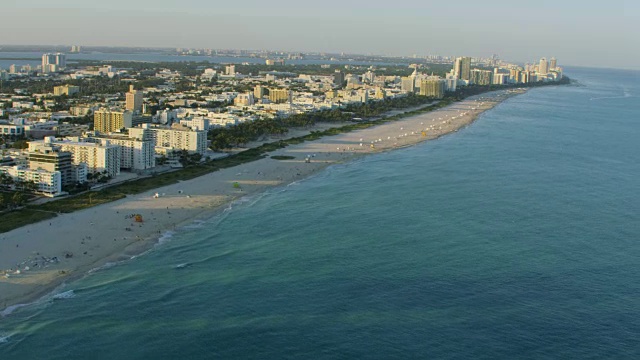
{"x": 71, "y": 246}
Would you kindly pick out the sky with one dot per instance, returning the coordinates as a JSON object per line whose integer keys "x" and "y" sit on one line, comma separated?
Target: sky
{"x": 580, "y": 33}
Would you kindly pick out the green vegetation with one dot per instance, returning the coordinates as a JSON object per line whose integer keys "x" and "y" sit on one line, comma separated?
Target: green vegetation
{"x": 282, "y": 157}
{"x": 19, "y": 218}
{"x": 224, "y": 138}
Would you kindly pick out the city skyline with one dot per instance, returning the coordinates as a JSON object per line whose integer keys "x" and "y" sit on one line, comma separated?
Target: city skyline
{"x": 580, "y": 34}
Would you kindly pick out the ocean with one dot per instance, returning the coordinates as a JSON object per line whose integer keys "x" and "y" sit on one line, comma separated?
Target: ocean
{"x": 516, "y": 237}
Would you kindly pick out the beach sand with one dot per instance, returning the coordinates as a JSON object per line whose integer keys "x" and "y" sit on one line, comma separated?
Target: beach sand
{"x": 37, "y": 258}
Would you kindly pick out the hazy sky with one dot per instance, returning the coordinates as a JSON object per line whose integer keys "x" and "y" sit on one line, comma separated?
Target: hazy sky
{"x": 588, "y": 32}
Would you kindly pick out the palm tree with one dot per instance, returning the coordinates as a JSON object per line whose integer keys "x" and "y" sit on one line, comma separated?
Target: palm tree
{"x": 17, "y": 199}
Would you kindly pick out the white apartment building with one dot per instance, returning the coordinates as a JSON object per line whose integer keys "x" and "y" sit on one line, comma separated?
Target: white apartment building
{"x": 170, "y": 139}
{"x": 49, "y": 182}
{"x": 135, "y": 154}
{"x": 196, "y": 123}
{"x": 98, "y": 157}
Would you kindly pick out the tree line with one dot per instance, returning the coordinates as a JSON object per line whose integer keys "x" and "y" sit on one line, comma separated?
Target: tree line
{"x": 238, "y": 135}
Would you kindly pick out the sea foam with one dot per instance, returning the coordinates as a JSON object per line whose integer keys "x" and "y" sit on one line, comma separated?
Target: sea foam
{"x": 64, "y": 295}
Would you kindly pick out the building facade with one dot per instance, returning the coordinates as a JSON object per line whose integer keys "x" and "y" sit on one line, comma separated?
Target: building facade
{"x": 481, "y": 77}
{"x": 433, "y": 87}
{"x": 44, "y": 155}
{"x": 176, "y": 138}
{"x": 53, "y": 62}
{"x": 106, "y": 121}
{"x": 49, "y": 183}
{"x": 135, "y": 154}
{"x": 278, "y": 95}
{"x": 134, "y": 100}
{"x": 67, "y": 90}
{"x": 462, "y": 68}
{"x": 97, "y": 158}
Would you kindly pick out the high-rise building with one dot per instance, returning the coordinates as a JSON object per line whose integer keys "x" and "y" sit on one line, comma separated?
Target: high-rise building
{"x": 98, "y": 158}
{"x": 49, "y": 183}
{"x": 451, "y": 83}
{"x": 53, "y": 62}
{"x": 230, "y": 70}
{"x": 500, "y": 78}
{"x": 46, "y": 156}
{"x": 338, "y": 78}
{"x": 481, "y": 77}
{"x": 61, "y": 60}
{"x": 278, "y": 95}
{"x": 175, "y": 138}
{"x": 67, "y": 90}
{"x": 433, "y": 88}
{"x": 134, "y": 100}
{"x": 553, "y": 63}
{"x": 407, "y": 84}
{"x": 543, "y": 67}
{"x": 244, "y": 99}
{"x": 106, "y": 121}
{"x": 368, "y": 77}
{"x": 135, "y": 153}
{"x": 462, "y": 68}
{"x": 13, "y": 69}
{"x": 259, "y": 92}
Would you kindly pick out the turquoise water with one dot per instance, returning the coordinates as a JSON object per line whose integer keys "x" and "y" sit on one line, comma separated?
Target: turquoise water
{"x": 514, "y": 238}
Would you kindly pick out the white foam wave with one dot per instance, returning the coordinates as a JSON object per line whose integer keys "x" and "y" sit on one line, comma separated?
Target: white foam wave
{"x": 196, "y": 224}
{"x": 4, "y": 339}
{"x": 103, "y": 267}
{"x": 181, "y": 266}
{"x": 9, "y": 310}
{"x": 65, "y": 295}
{"x": 626, "y": 94}
{"x": 166, "y": 237}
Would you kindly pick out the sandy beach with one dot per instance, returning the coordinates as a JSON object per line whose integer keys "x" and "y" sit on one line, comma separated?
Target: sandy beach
{"x": 36, "y": 259}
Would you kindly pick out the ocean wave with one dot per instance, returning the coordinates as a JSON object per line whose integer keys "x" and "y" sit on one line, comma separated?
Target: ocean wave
{"x": 64, "y": 295}
{"x": 105, "y": 266}
{"x": 182, "y": 266}
{"x": 166, "y": 237}
{"x": 9, "y": 310}
{"x": 4, "y": 338}
{"x": 611, "y": 97}
{"x": 196, "y": 224}
{"x": 625, "y": 95}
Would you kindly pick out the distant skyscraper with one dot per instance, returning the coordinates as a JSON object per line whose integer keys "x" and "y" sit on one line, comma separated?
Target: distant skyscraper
{"x": 408, "y": 84}
{"x": 259, "y": 92}
{"x": 433, "y": 88}
{"x": 134, "y": 100}
{"x": 553, "y": 63}
{"x": 463, "y": 68}
{"x": 338, "y": 78}
{"x": 61, "y": 60}
{"x": 278, "y": 96}
{"x": 481, "y": 77}
{"x": 53, "y": 62}
{"x": 543, "y": 67}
